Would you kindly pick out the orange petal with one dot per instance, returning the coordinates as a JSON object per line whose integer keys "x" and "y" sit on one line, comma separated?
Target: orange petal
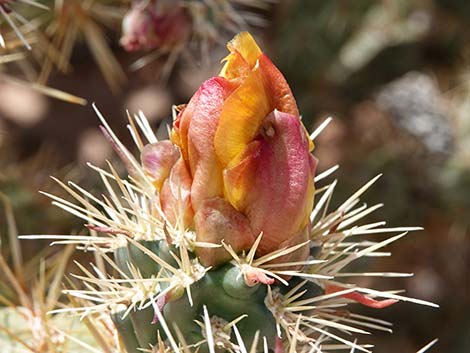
{"x": 175, "y": 132}
{"x": 179, "y": 134}
{"x": 280, "y": 93}
{"x": 205, "y": 105}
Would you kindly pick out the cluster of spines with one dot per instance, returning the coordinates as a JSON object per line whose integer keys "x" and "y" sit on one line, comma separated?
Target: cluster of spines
{"x": 306, "y": 310}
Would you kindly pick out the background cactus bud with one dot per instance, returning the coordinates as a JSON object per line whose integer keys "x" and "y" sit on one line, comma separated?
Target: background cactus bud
{"x": 155, "y": 23}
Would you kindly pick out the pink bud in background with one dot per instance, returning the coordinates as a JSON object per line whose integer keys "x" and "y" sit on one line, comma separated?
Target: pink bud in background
{"x": 155, "y": 24}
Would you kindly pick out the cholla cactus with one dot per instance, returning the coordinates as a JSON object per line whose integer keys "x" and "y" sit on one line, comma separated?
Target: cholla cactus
{"x": 216, "y": 244}
{"x": 29, "y": 289}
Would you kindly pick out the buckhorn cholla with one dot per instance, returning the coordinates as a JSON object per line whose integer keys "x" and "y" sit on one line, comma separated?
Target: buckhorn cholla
{"x": 213, "y": 240}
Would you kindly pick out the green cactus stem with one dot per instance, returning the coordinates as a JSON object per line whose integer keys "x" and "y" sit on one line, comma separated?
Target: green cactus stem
{"x": 125, "y": 329}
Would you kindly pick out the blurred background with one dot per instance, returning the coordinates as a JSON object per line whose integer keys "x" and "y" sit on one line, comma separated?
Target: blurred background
{"x": 394, "y": 75}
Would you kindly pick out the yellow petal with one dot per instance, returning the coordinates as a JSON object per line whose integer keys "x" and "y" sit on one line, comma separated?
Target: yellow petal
{"x": 241, "y": 117}
{"x": 240, "y": 175}
{"x": 245, "y": 45}
{"x": 311, "y": 145}
{"x": 235, "y": 67}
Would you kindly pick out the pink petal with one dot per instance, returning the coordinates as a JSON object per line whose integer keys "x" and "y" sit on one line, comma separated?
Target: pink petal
{"x": 361, "y": 298}
{"x": 276, "y": 175}
{"x": 217, "y": 220}
{"x": 204, "y": 164}
{"x": 175, "y": 197}
{"x": 158, "y": 159}
{"x": 279, "y": 347}
{"x": 253, "y": 276}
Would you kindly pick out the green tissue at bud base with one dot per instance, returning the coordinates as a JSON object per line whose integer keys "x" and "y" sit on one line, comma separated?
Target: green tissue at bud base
{"x": 225, "y": 293}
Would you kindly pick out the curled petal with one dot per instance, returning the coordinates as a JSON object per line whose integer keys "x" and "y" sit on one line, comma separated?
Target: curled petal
{"x": 238, "y": 180}
{"x": 236, "y": 67}
{"x": 262, "y": 89}
{"x": 253, "y": 276}
{"x": 159, "y": 305}
{"x": 194, "y": 131}
{"x": 280, "y": 93}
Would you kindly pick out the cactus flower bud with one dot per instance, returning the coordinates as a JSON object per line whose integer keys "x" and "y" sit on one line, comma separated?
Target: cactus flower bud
{"x": 247, "y": 158}
{"x": 155, "y": 23}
